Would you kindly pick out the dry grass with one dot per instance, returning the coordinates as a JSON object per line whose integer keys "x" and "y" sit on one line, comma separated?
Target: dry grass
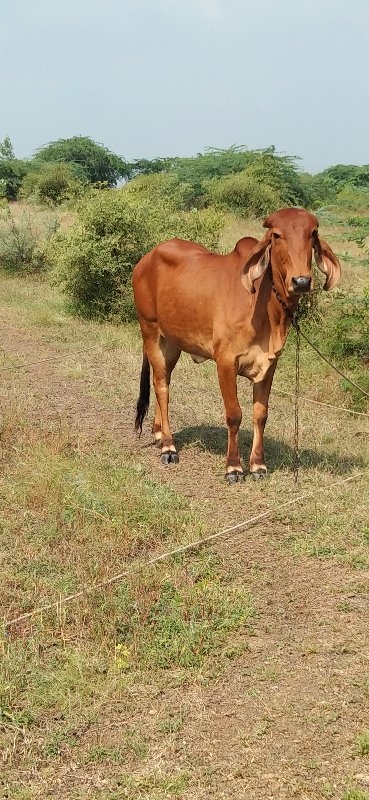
{"x": 238, "y": 672}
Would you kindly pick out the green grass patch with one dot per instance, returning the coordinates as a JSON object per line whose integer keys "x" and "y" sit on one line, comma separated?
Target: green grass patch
{"x": 179, "y": 619}
{"x": 356, "y": 794}
{"x": 363, "y": 743}
{"x": 330, "y": 530}
{"x": 152, "y": 787}
{"x": 68, "y": 517}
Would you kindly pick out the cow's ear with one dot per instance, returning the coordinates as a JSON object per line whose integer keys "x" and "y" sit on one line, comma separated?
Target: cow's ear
{"x": 256, "y": 263}
{"x": 326, "y": 261}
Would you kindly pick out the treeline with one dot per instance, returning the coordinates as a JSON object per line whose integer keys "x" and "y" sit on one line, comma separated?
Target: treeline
{"x": 237, "y": 179}
{"x": 58, "y": 170}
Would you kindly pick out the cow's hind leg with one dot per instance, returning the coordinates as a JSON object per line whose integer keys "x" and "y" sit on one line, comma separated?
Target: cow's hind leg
{"x": 157, "y": 425}
{"x": 228, "y": 386}
{"x": 261, "y": 393}
{"x": 163, "y": 357}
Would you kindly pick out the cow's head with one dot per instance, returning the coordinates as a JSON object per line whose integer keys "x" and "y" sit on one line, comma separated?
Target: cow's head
{"x": 288, "y": 245}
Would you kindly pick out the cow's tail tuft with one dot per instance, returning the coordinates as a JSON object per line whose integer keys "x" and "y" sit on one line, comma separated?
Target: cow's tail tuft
{"x": 144, "y": 396}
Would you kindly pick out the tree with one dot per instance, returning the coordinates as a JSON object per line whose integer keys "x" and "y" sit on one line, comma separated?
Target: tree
{"x": 279, "y": 172}
{"x": 91, "y": 161}
{"x": 12, "y": 172}
{"x": 6, "y": 148}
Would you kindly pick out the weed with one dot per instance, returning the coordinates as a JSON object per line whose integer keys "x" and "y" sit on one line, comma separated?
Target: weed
{"x": 23, "y": 238}
{"x": 152, "y": 787}
{"x": 365, "y": 534}
{"x": 172, "y": 724}
{"x": 363, "y": 743}
{"x": 170, "y": 620}
{"x": 328, "y": 789}
{"x": 356, "y": 794}
{"x": 103, "y": 755}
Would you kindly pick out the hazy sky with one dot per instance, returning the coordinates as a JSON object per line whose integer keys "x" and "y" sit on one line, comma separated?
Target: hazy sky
{"x": 171, "y": 77}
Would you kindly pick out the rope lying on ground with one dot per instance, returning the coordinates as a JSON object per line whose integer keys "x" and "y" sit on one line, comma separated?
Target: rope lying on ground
{"x": 320, "y": 403}
{"x": 86, "y": 590}
{"x": 60, "y": 356}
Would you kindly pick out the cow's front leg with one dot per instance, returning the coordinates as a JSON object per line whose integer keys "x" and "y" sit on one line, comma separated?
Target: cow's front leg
{"x": 228, "y": 385}
{"x": 261, "y": 392}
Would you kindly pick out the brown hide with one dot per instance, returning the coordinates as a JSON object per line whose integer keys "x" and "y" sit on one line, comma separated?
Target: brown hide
{"x": 222, "y": 307}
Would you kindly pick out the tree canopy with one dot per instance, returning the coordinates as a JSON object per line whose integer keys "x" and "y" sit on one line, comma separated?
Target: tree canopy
{"x": 92, "y": 162}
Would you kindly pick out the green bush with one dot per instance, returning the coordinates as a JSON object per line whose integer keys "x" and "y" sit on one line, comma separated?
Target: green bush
{"x": 243, "y": 194}
{"x": 51, "y": 184}
{"x": 160, "y": 189}
{"x": 94, "y": 260}
{"x": 198, "y": 225}
{"x": 349, "y": 334}
{"x": 12, "y": 172}
{"x": 23, "y": 240}
{"x": 353, "y": 199}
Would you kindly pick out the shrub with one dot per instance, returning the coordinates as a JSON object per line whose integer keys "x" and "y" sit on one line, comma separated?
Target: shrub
{"x": 349, "y": 335}
{"x": 160, "y": 188}
{"x": 23, "y": 240}
{"x": 353, "y": 199}
{"x": 12, "y": 172}
{"x": 51, "y": 184}
{"x": 244, "y": 194}
{"x": 94, "y": 260}
{"x": 317, "y": 189}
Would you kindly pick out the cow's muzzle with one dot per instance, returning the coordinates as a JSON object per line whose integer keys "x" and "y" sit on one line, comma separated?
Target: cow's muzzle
{"x": 301, "y": 284}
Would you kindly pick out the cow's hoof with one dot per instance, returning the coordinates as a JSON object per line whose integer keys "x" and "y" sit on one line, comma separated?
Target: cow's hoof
{"x": 259, "y": 474}
{"x": 170, "y": 457}
{"x": 235, "y": 477}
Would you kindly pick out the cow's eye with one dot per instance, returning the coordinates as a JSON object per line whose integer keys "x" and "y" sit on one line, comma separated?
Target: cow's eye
{"x": 277, "y": 235}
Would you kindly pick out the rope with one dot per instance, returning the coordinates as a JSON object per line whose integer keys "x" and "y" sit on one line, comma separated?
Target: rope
{"x": 50, "y": 358}
{"x": 296, "y": 325}
{"x": 296, "y": 438}
{"x": 320, "y": 403}
{"x": 333, "y": 366}
{"x": 86, "y": 590}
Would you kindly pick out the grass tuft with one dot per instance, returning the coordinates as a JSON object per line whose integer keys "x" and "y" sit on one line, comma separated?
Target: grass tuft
{"x": 363, "y": 743}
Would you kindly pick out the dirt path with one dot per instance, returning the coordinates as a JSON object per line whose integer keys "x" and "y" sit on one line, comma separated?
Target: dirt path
{"x": 282, "y": 720}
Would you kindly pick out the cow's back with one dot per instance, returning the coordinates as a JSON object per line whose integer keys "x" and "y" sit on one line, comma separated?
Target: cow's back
{"x": 172, "y": 275}
{"x": 188, "y": 291}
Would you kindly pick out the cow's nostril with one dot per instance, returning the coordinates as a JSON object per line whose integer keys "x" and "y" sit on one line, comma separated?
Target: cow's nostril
{"x": 301, "y": 283}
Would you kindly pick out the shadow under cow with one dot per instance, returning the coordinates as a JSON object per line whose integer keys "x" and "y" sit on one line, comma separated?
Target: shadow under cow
{"x": 278, "y": 454}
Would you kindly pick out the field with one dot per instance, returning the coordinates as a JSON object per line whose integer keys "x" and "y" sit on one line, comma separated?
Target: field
{"x": 239, "y": 670}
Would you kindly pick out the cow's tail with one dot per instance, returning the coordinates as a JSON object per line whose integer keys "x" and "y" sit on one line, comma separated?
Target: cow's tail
{"x": 144, "y": 396}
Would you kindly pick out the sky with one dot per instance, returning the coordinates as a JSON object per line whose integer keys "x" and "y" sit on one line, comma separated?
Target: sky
{"x": 171, "y": 77}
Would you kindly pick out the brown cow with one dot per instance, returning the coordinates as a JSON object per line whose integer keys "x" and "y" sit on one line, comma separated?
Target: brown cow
{"x": 227, "y": 308}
